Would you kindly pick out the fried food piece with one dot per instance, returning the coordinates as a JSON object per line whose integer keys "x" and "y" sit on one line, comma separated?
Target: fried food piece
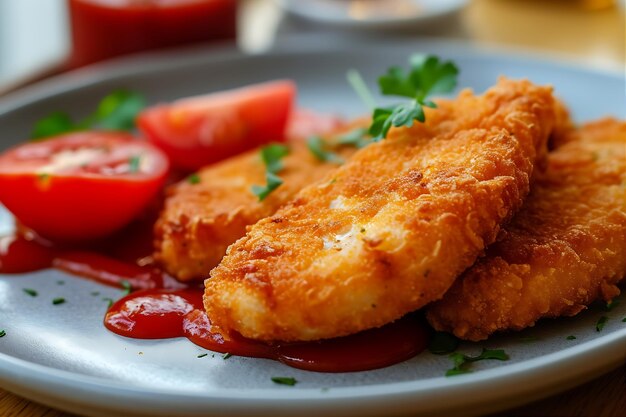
{"x": 563, "y": 250}
{"x": 391, "y": 229}
{"x": 201, "y": 220}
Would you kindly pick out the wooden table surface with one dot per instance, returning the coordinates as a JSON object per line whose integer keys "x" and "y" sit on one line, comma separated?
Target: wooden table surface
{"x": 566, "y": 27}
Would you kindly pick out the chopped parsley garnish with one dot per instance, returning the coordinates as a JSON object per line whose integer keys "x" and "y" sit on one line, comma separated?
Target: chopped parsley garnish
{"x": 427, "y": 75}
{"x": 109, "y": 300}
{"x": 318, "y": 148}
{"x": 601, "y": 323}
{"x": 95, "y": 293}
{"x": 283, "y": 380}
{"x": 443, "y": 343}
{"x": 227, "y": 355}
{"x": 133, "y": 164}
{"x": 43, "y": 177}
{"x": 193, "y": 179}
{"x": 116, "y": 111}
{"x": 611, "y": 305}
{"x": 624, "y": 320}
{"x": 272, "y": 156}
{"x": 3, "y": 333}
{"x": 262, "y": 191}
{"x": 462, "y": 362}
{"x": 126, "y": 286}
{"x": 202, "y": 355}
{"x": 58, "y": 300}
{"x": 60, "y": 282}
{"x": 30, "y": 292}
{"x": 571, "y": 337}
{"x": 357, "y": 138}
{"x": 53, "y": 124}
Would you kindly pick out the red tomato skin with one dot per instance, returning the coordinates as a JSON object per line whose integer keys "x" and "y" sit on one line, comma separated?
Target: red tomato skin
{"x": 80, "y": 207}
{"x": 199, "y": 131}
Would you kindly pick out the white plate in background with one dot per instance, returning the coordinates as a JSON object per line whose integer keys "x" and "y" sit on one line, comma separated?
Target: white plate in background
{"x": 372, "y": 14}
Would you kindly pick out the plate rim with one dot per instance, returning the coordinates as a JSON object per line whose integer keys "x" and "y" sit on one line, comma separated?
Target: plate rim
{"x": 382, "y": 23}
{"x": 30, "y": 379}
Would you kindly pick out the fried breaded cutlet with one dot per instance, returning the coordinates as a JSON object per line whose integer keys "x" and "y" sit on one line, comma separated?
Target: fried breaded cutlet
{"x": 203, "y": 217}
{"x": 391, "y": 229}
{"x": 563, "y": 250}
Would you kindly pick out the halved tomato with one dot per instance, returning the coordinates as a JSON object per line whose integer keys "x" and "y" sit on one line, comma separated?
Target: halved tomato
{"x": 198, "y": 131}
{"x": 81, "y": 185}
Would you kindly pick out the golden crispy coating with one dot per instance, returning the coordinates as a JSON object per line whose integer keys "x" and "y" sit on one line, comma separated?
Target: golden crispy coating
{"x": 200, "y": 220}
{"x": 389, "y": 230}
{"x": 563, "y": 250}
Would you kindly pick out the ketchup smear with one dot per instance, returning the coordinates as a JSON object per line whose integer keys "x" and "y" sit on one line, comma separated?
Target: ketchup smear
{"x": 160, "y": 307}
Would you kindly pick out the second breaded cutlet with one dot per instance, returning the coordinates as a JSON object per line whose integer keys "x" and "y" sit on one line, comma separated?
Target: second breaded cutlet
{"x": 390, "y": 230}
{"x": 565, "y": 249}
{"x": 203, "y": 217}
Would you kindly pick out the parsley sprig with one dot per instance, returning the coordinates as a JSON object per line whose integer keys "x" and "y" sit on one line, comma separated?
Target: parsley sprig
{"x": 272, "y": 156}
{"x": 284, "y": 380}
{"x": 462, "y": 362}
{"x": 116, "y": 111}
{"x": 427, "y": 75}
{"x": 320, "y": 150}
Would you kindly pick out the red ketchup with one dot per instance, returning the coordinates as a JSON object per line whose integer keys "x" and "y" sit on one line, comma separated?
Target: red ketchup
{"x": 164, "y": 314}
{"x": 164, "y": 308}
{"x": 103, "y": 29}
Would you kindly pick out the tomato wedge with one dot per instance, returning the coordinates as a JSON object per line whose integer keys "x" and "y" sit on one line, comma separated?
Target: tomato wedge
{"x": 81, "y": 185}
{"x": 198, "y": 131}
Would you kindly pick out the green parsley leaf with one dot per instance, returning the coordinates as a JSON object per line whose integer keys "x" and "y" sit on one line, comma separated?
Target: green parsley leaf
{"x": 133, "y": 164}
{"x": 227, "y": 355}
{"x": 360, "y": 87}
{"x": 273, "y": 182}
{"x": 126, "y": 286}
{"x": 431, "y": 76}
{"x": 3, "y": 333}
{"x": 109, "y": 300}
{"x": 461, "y": 362}
{"x": 427, "y": 75}
{"x": 30, "y": 292}
{"x": 54, "y": 124}
{"x": 60, "y": 282}
{"x": 202, "y": 355}
{"x": 624, "y": 320}
{"x": 282, "y": 380}
{"x": 116, "y": 111}
{"x": 611, "y": 305}
{"x": 571, "y": 337}
{"x": 58, "y": 300}
{"x": 193, "y": 179}
{"x": 357, "y": 138}
{"x": 272, "y": 155}
{"x": 601, "y": 323}
{"x": 318, "y": 148}
{"x": 443, "y": 343}
{"x": 95, "y": 293}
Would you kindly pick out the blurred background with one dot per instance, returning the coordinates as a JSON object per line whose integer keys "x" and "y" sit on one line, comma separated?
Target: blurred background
{"x": 39, "y": 38}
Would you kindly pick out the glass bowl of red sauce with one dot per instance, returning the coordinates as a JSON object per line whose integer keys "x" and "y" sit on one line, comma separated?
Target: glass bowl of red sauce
{"x": 102, "y": 29}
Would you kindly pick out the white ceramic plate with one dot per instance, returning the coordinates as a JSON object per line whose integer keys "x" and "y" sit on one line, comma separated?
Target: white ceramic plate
{"x": 63, "y": 356}
{"x": 372, "y": 14}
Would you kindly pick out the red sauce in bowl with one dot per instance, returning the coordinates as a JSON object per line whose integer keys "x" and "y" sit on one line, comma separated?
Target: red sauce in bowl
{"x": 103, "y": 29}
